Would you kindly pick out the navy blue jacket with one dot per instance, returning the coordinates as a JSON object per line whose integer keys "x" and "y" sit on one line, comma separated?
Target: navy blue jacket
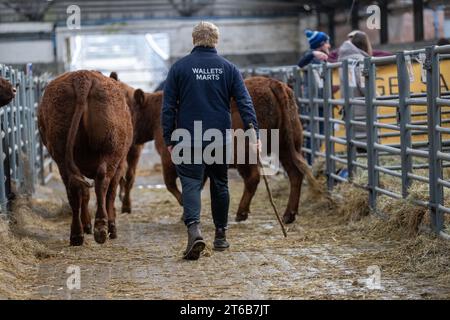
{"x": 199, "y": 88}
{"x": 307, "y": 58}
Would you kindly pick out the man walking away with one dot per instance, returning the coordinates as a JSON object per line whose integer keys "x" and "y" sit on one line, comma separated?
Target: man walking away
{"x": 199, "y": 87}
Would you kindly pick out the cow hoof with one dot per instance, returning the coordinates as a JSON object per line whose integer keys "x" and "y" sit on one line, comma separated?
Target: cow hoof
{"x": 288, "y": 218}
{"x": 241, "y": 216}
{"x": 76, "y": 240}
{"x": 126, "y": 209}
{"x": 87, "y": 229}
{"x": 100, "y": 235}
{"x": 112, "y": 231}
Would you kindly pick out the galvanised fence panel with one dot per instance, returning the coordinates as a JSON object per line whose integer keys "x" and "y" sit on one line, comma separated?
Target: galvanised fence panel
{"x": 24, "y": 162}
{"x": 403, "y": 135}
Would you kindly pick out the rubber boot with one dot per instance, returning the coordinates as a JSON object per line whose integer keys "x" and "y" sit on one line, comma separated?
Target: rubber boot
{"x": 220, "y": 240}
{"x": 195, "y": 243}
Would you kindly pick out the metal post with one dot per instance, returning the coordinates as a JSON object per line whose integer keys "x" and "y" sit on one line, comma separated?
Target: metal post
{"x": 32, "y": 130}
{"x": 13, "y": 127}
{"x": 331, "y": 24}
{"x": 434, "y": 138}
{"x": 348, "y": 116}
{"x": 384, "y": 30}
{"x": 328, "y": 130}
{"x": 20, "y": 124}
{"x": 40, "y": 145}
{"x": 418, "y": 20}
{"x": 297, "y": 83}
{"x": 405, "y": 118}
{"x": 6, "y": 151}
{"x": 312, "y": 111}
{"x": 372, "y": 154}
{"x": 355, "y": 16}
{"x": 3, "y": 198}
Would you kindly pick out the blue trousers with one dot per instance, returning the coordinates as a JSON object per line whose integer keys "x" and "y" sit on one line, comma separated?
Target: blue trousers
{"x": 192, "y": 177}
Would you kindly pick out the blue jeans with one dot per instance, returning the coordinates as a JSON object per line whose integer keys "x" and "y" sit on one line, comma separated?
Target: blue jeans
{"x": 192, "y": 177}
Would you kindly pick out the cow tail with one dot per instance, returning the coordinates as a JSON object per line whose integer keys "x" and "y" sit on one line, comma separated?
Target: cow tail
{"x": 82, "y": 86}
{"x": 286, "y": 102}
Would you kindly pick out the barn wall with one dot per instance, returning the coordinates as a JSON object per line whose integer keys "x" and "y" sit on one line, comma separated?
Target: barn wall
{"x": 21, "y": 43}
{"x": 26, "y": 51}
{"x": 245, "y": 41}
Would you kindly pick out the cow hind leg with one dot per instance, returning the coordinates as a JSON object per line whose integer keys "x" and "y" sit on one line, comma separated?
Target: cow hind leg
{"x": 75, "y": 194}
{"x": 110, "y": 198}
{"x": 127, "y": 183}
{"x": 102, "y": 181}
{"x": 295, "y": 181}
{"x": 85, "y": 215}
{"x": 122, "y": 188}
{"x": 74, "y": 197}
{"x": 170, "y": 177}
{"x": 251, "y": 176}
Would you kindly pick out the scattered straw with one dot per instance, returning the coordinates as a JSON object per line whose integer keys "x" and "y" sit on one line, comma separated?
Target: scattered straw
{"x": 404, "y": 216}
{"x": 353, "y": 201}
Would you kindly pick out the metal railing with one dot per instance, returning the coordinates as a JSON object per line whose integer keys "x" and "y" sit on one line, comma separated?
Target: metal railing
{"x": 25, "y": 160}
{"x": 421, "y": 160}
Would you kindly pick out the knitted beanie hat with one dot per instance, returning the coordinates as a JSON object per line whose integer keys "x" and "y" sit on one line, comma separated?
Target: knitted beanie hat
{"x": 316, "y": 38}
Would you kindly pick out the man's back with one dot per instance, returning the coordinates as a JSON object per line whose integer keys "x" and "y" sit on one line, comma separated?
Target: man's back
{"x": 200, "y": 87}
{"x": 204, "y": 84}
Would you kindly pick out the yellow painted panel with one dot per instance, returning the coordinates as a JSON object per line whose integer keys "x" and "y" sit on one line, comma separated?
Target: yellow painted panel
{"x": 387, "y": 84}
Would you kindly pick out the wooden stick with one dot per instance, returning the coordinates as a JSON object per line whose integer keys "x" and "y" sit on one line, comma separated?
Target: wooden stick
{"x": 266, "y": 182}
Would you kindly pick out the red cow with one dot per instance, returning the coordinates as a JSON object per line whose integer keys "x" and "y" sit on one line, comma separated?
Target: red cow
{"x": 85, "y": 123}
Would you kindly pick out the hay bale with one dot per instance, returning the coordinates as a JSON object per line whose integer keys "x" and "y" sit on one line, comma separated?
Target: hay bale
{"x": 319, "y": 168}
{"x": 404, "y": 217}
{"x": 19, "y": 251}
{"x": 353, "y": 203}
{"x": 25, "y": 219}
{"x": 19, "y": 259}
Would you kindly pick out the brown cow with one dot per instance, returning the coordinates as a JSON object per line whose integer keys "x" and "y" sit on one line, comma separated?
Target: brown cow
{"x": 85, "y": 123}
{"x": 275, "y": 108}
{"x": 146, "y": 112}
{"x": 7, "y": 92}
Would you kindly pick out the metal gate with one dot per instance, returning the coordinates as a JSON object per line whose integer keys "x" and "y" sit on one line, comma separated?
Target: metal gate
{"x": 25, "y": 160}
{"x": 318, "y": 109}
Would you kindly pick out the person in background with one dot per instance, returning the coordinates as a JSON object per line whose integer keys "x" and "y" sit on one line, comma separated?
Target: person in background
{"x": 319, "y": 43}
{"x": 356, "y": 48}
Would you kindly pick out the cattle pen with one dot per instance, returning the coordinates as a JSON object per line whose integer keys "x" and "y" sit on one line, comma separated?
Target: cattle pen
{"x": 385, "y": 235}
{"x": 387, "y": 147}
{"x": 347, "y": 102}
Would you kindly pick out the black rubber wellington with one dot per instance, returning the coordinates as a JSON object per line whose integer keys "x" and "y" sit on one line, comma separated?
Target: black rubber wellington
{"x": 220, "y": 240}
{"x": 195, "y": 244}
